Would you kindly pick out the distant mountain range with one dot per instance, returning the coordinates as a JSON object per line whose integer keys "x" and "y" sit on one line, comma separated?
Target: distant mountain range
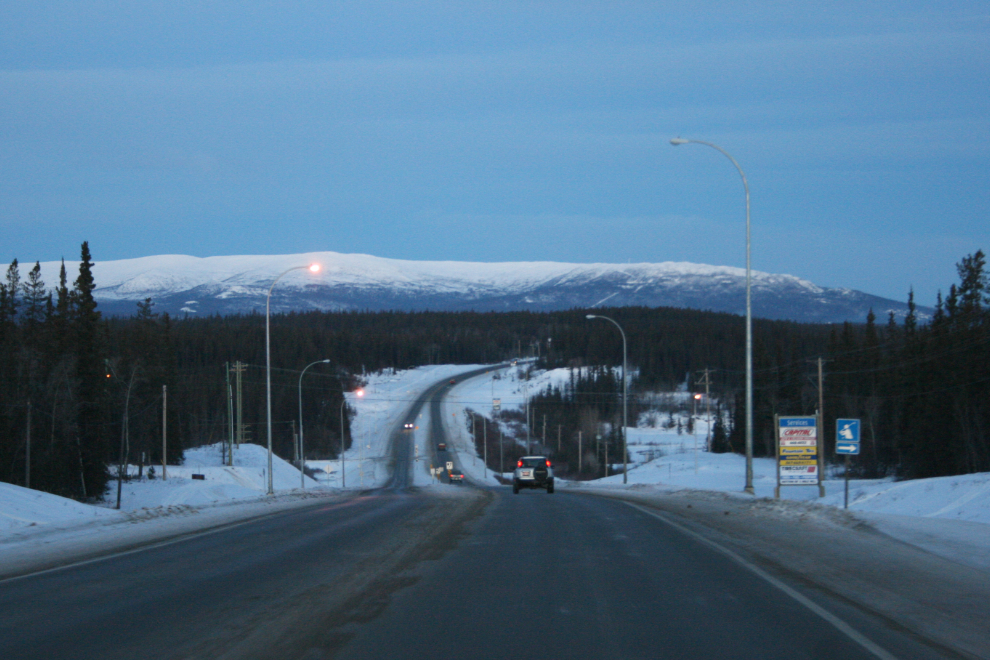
{"x": 182, "y": 285}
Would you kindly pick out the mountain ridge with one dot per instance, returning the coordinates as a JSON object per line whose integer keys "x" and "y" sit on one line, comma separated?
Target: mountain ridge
{"x": 182, "y": 284}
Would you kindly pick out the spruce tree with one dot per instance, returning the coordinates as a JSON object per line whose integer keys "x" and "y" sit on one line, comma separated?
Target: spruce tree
{"x": 35, "y": 297}
{"x": 93, "y": 444}
{"x": 911, "y": 319}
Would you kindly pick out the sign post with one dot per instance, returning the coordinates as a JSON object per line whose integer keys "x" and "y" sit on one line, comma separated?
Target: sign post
{"x": 797, "y": 452}
{"x": 847, "y": 444}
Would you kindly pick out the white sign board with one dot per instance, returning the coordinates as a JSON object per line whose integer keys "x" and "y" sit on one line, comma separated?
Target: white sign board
{"x": 797, "y": 451}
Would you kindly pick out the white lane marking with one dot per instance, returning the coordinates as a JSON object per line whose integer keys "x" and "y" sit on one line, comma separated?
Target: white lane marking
{"x": 835, "y": 621}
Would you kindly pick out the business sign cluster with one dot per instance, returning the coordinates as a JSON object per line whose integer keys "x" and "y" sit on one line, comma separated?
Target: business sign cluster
{"x": 797, "y": 451}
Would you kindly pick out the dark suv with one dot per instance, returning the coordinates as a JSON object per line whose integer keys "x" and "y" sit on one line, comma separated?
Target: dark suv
{"x": 533, "y": 472}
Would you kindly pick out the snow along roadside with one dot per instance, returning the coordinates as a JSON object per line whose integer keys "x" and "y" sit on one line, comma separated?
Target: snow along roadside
{"x": 30, "y": 550}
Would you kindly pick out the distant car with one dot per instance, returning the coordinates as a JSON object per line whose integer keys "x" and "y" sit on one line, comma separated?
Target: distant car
{"x": 441, "y": 446}
{"x": 456, "y": 477}
{"x": 453, "y": 381}
{"x": 533, "y": 472}
{"x": 408, "y": 426}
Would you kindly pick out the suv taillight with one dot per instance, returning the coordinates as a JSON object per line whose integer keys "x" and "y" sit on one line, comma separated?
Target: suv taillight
{"x": 519, "y": 463}
{"x": 548, "y": 463}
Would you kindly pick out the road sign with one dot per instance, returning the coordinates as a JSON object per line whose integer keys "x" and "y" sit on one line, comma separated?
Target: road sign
{"x": 450, "y": 465}
{"x": 797, "y": 451}
{"x": 496, "y": 404}
{"x": 847, "y": 436}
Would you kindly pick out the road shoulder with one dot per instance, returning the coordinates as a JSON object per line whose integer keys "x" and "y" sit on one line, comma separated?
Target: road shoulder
{"x": 833, "y": 551}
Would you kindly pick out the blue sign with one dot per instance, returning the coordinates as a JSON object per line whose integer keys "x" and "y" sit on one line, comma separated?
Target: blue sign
{"x": 847, "y": 436}
{"x": 797, "y": 422}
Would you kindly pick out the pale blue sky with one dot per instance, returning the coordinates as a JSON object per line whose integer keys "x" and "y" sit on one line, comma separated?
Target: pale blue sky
{"x": 503, "y": 131}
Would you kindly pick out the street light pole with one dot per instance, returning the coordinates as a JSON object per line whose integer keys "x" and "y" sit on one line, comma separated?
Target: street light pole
{"x": 749, "y": 317}
{"x": 625, "y": 444}
{"x": 302, "y": 458}
{"x": 313, "y": 268}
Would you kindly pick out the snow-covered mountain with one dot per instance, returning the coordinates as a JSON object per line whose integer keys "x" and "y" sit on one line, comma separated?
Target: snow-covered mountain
{"x": 183, "y": 285}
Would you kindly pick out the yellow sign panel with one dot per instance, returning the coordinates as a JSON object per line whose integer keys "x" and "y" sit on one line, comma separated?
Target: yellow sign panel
{"x": 785, "y": 451}
{"x": 790, "y": 461}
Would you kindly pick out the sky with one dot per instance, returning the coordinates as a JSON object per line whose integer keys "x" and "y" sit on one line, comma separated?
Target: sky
{"x": 503, "y": 131}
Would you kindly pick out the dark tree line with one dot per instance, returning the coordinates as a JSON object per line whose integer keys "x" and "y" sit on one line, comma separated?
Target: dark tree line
{"x": 58, "y": 386}
{"x": 920, "y": 389}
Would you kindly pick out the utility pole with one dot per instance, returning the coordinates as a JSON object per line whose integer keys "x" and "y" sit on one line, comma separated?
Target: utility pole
{"x": 295, "y": 445}
{"x": 821, "y": 429}
{"x": 484, "y": 440}
{"x": 558, "y": 438}
{"x": 706, "y": 381}
{"x": 164, "y": 428}
{"x": 27, "y": 452}
{"x": 544, "y": 429}
{"x": 238, "y": 370}
{"x": 579, "y": 453}
{"x": 230, "y": 418}
{"x": 529, "y": 424}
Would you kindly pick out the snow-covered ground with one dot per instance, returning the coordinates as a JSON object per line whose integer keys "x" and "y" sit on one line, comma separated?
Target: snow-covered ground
{"x": 948, "y": 516}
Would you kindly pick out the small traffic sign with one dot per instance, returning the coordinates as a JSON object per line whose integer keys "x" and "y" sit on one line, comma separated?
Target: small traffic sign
{"x": 847, "y": 436}
{"x": 450, "y": 465}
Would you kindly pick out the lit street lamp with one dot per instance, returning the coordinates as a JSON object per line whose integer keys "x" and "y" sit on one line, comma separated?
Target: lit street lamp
{"x": 625, "y": 446}
{"x": 749, "y": 318}
{"x": 343, "y": 472}
{"x": 302, "y": 458}
{"x": 313, "y": 268}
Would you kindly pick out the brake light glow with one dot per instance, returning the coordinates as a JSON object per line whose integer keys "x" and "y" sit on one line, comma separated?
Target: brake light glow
{"x": 548, "y": 462}
{"x": 519, "y": 463}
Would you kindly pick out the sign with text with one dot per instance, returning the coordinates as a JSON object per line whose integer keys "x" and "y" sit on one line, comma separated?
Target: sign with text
{"x": 797, "y": 451}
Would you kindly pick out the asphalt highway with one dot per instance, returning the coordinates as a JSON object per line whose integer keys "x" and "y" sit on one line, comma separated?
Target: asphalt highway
{"x": 453, "y": 572}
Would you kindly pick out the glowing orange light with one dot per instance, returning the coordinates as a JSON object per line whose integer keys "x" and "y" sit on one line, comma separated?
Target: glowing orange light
{"x": 359, "y": 393}
{"x": 314, "y": 268}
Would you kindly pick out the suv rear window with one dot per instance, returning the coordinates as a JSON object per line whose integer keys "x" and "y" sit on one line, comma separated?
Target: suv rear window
{"x": 533, "y": 462}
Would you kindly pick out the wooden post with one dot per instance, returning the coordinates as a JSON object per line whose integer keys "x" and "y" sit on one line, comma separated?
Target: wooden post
{"x": 164, "y": 429}
{"x": 27, "y": 452}
{"x": 821, "y": 430}
{"x": 579, "y": 453}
